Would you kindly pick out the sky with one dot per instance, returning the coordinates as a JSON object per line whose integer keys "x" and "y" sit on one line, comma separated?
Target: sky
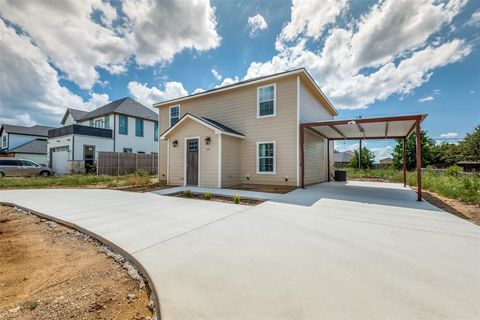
{"x": 371, "y": 58}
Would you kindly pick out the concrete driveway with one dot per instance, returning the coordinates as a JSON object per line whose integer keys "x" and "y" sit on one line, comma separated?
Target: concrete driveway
{"x": 332, "y": 251}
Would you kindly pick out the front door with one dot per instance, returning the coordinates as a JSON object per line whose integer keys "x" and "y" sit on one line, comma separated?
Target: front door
{"x": 192, "y": 162}
{"x": 89, "y": 158}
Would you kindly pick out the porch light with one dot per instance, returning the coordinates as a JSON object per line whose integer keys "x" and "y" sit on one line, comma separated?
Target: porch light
{"x": 174, "y": 143}
{"x": 207, "y": 140}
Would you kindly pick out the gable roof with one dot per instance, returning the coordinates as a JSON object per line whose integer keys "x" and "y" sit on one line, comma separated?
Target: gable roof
{"x": 76, "y": 114}
{"x": 34, "y": 146}
{"x": 35, "y": 130}
{"x": 126, "y": 106}
{"x": 216, "y": 126}
{"x": 300, "y": 71}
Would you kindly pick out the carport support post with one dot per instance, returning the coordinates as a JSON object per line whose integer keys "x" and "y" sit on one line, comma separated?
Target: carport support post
{"x": 419, "y": 161}
{"x": 328, "y": 160}
{"x": 302, "y": 156}
{"x": 404, "y": 161}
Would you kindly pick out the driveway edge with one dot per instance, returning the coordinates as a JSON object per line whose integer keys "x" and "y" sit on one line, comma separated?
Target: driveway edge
{"x": 104, "y": 241}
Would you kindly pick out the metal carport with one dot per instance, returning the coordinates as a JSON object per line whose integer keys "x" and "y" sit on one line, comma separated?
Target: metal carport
{"x": 394, "y": 127}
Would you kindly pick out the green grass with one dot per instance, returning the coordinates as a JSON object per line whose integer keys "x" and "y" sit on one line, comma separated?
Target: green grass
{"x": 452, "y": 185}
{"x": 76, "y": 181}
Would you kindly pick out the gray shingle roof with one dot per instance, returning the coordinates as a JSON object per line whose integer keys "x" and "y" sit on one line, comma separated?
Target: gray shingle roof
{"x": 76, "y": 114}
{"x": 35, "y": 130}
{"x": 220, "y": 126}
{"x": 126, "y": 106}
{"x": 34, "y": 146}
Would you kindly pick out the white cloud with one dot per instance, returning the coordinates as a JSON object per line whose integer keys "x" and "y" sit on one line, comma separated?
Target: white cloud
{"x": 310, "y": 17}
{"x": 150, "y": 95}
{"x": 425, "y": 99}
{"x": 397, "y": 65}
{"x": 382, "y": 152}
{"x": 216, "y": 74}
{"x": 256, "y": 23}
{"x": 198, "y": 90}
{"x": 30, "y": 92}
{"x": 227, "y": 81}
{"x": 151, "y": 32}
{"x": 474, "y": 19}
{"x": 449, "y": 135}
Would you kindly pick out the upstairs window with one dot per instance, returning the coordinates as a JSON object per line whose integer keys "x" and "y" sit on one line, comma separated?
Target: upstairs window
{"x": 139, "y": 127}
{"x": 4, "y": 141}
{"x": 266, "y": 159}
{"x": 266, "y": 101}
{"x": 174, "y": 115}
{"x": 123, "y": 124}
{"x": 155, "y": 132}
{"x": 100, "y": 123}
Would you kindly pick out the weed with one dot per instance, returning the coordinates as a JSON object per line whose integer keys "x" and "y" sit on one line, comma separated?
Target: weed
{"x": 31, "y": 305}
{"x": 207, "y": 195}
{"x": 236, "y": 198}
{"x": 188, "y": 193}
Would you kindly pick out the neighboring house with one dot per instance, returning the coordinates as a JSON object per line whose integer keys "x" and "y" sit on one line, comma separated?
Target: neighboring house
{"x": 342, "y": 159}
{"x": 245, "y": 133}
{"x": 24, "y": 142}
{"x": 123, "y": 125}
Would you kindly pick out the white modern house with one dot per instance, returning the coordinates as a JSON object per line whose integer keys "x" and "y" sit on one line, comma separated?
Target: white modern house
{"x": 24, "y": 142}
{"x": 123, "y": 125}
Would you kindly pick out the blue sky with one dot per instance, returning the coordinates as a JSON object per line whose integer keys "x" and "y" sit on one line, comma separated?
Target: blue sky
{"x": 372, "y": 58}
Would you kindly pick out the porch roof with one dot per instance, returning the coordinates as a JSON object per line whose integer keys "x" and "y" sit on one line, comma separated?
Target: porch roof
{"x": 394, "y": 127}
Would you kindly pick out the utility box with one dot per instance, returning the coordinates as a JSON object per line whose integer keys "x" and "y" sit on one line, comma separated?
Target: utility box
{"x": 340, "y": 175}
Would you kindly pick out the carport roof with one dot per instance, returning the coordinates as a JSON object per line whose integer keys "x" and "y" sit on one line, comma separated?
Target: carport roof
{"x": 394, "y": 127}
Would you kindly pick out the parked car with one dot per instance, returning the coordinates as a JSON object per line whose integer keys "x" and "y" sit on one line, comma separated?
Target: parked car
{"x": 15, "y": 167}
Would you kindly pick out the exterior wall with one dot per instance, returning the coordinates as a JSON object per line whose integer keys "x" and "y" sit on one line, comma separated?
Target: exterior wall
{"x": 101, "y": 144}
{"x": 145, "y": 144}
{"x": 69, "y": 120}
{"x": 315, "y": 158}
{"x": 60, "y": 142}
{"x": 15, "y": 140}
{"x": 237, "y": 109}
{"x": 208, "y": 154}
{"x": 231, "y": 174}
{"x": 38, "y": 158}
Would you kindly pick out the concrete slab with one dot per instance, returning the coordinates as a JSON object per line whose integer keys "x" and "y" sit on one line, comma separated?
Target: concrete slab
{"x": 355, "y": 250}
{"x": 255, "y": 195}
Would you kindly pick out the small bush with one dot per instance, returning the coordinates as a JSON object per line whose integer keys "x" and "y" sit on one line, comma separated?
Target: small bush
{"x": 188, "y": 193}
{"x": 207, "y": 195}
{"x": 31, "y": 305}
{"x": 453, "y": 171}
{"x": 236, "y": 198}
{"x": 141, "y": 172}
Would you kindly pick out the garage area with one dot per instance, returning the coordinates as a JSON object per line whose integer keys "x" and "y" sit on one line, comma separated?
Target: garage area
{"x": 59, "y": 160}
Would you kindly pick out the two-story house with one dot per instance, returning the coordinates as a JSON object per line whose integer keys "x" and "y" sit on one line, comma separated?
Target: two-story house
{"x": 24, "y": 142}
{"x": 245, "y": 133}
{"x": 124, "y": 125}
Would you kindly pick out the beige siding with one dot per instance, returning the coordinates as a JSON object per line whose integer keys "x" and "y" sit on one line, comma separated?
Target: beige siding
{"x": 231, "y": 174}
{"x": 311, "y": 108}
{"x": 208, "y": 154}
{"x": 315, "y": 158}
{"x": 237, "y": 108}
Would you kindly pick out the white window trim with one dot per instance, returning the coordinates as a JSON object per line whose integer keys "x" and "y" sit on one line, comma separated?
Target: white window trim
{"x": 219, "y": 166}
{"x": 170, "y": 113}
{"x": 274, "y": 157}
{"x": 298, "y": 132}
{"x": 185, "y": 160}
{"x": 274, "y": 101}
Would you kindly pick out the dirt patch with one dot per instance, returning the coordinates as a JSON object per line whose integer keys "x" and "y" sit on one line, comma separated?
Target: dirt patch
{"x": 470, "y": 212}
{"x": 198, "y": 196}
{"x": 48, "y": 271}
{"x": 263, "y": 188}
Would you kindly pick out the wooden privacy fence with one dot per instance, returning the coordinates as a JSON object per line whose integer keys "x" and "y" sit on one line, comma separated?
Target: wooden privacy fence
{"x": 120, "y": 163}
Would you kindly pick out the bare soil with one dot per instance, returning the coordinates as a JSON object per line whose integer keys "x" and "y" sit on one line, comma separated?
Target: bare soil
{"x": 248, "y": 202}
{"x": 48, "y": 271}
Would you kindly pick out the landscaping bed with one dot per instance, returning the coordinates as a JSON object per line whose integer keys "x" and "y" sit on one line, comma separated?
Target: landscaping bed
{"x": 48, "y": 271}
{"x": 211, "y": 197}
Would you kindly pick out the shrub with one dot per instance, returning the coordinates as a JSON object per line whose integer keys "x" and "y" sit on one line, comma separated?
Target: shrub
{"x": 207, "y": 195}
{"x": 236, "y": 198}
{"x": 453, "y": 171}
{"x": 188, "y": 193}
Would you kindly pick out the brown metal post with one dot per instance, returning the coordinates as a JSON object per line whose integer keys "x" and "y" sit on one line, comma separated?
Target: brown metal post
{"x": 302, "y": 156}
{"x": 328, "y": 160}
{"x": 404, "y": 161}
{"x": 360, "y": 155}
{"x": 419, "y": 161}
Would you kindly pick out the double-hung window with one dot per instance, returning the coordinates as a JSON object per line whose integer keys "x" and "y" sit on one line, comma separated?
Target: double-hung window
{"x": 139, "y": 127}
{"x": 266, "y": 159}
{"x": 123, "y": 124}
{"x": 266, "y": 103}
{"x": 155, "y": 132}
{"x": 174, "y": 115}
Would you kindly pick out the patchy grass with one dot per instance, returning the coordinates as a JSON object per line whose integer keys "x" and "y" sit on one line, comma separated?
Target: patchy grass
{"x": 76, "y": 181}
{"x": 450, "y": 184}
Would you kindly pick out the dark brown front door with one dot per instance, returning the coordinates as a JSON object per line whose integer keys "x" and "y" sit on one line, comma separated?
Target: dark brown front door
{"x": 192, "y": 162}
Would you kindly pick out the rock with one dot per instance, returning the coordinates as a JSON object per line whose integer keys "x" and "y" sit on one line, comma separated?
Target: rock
{"x": 52, "y": 224}
{"x": 131, "y": 296}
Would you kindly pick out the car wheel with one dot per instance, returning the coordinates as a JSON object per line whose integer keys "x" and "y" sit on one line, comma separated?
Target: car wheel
{"x": 45, "y": 174}
{"x": 2, "y": 174}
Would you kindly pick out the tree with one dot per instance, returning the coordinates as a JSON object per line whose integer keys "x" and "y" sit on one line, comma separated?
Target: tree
{"x": 367, "y": 159}
{"x": 445, "y": 154}
{"x": 427, "y": 145}
{"x": 470, "y": 146}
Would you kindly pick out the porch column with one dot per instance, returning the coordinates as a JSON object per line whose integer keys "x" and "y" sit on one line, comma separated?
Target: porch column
{"x": 419, "y": 161}
{"x": 404, "y": 161}
{"x": 302, "y": 156}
